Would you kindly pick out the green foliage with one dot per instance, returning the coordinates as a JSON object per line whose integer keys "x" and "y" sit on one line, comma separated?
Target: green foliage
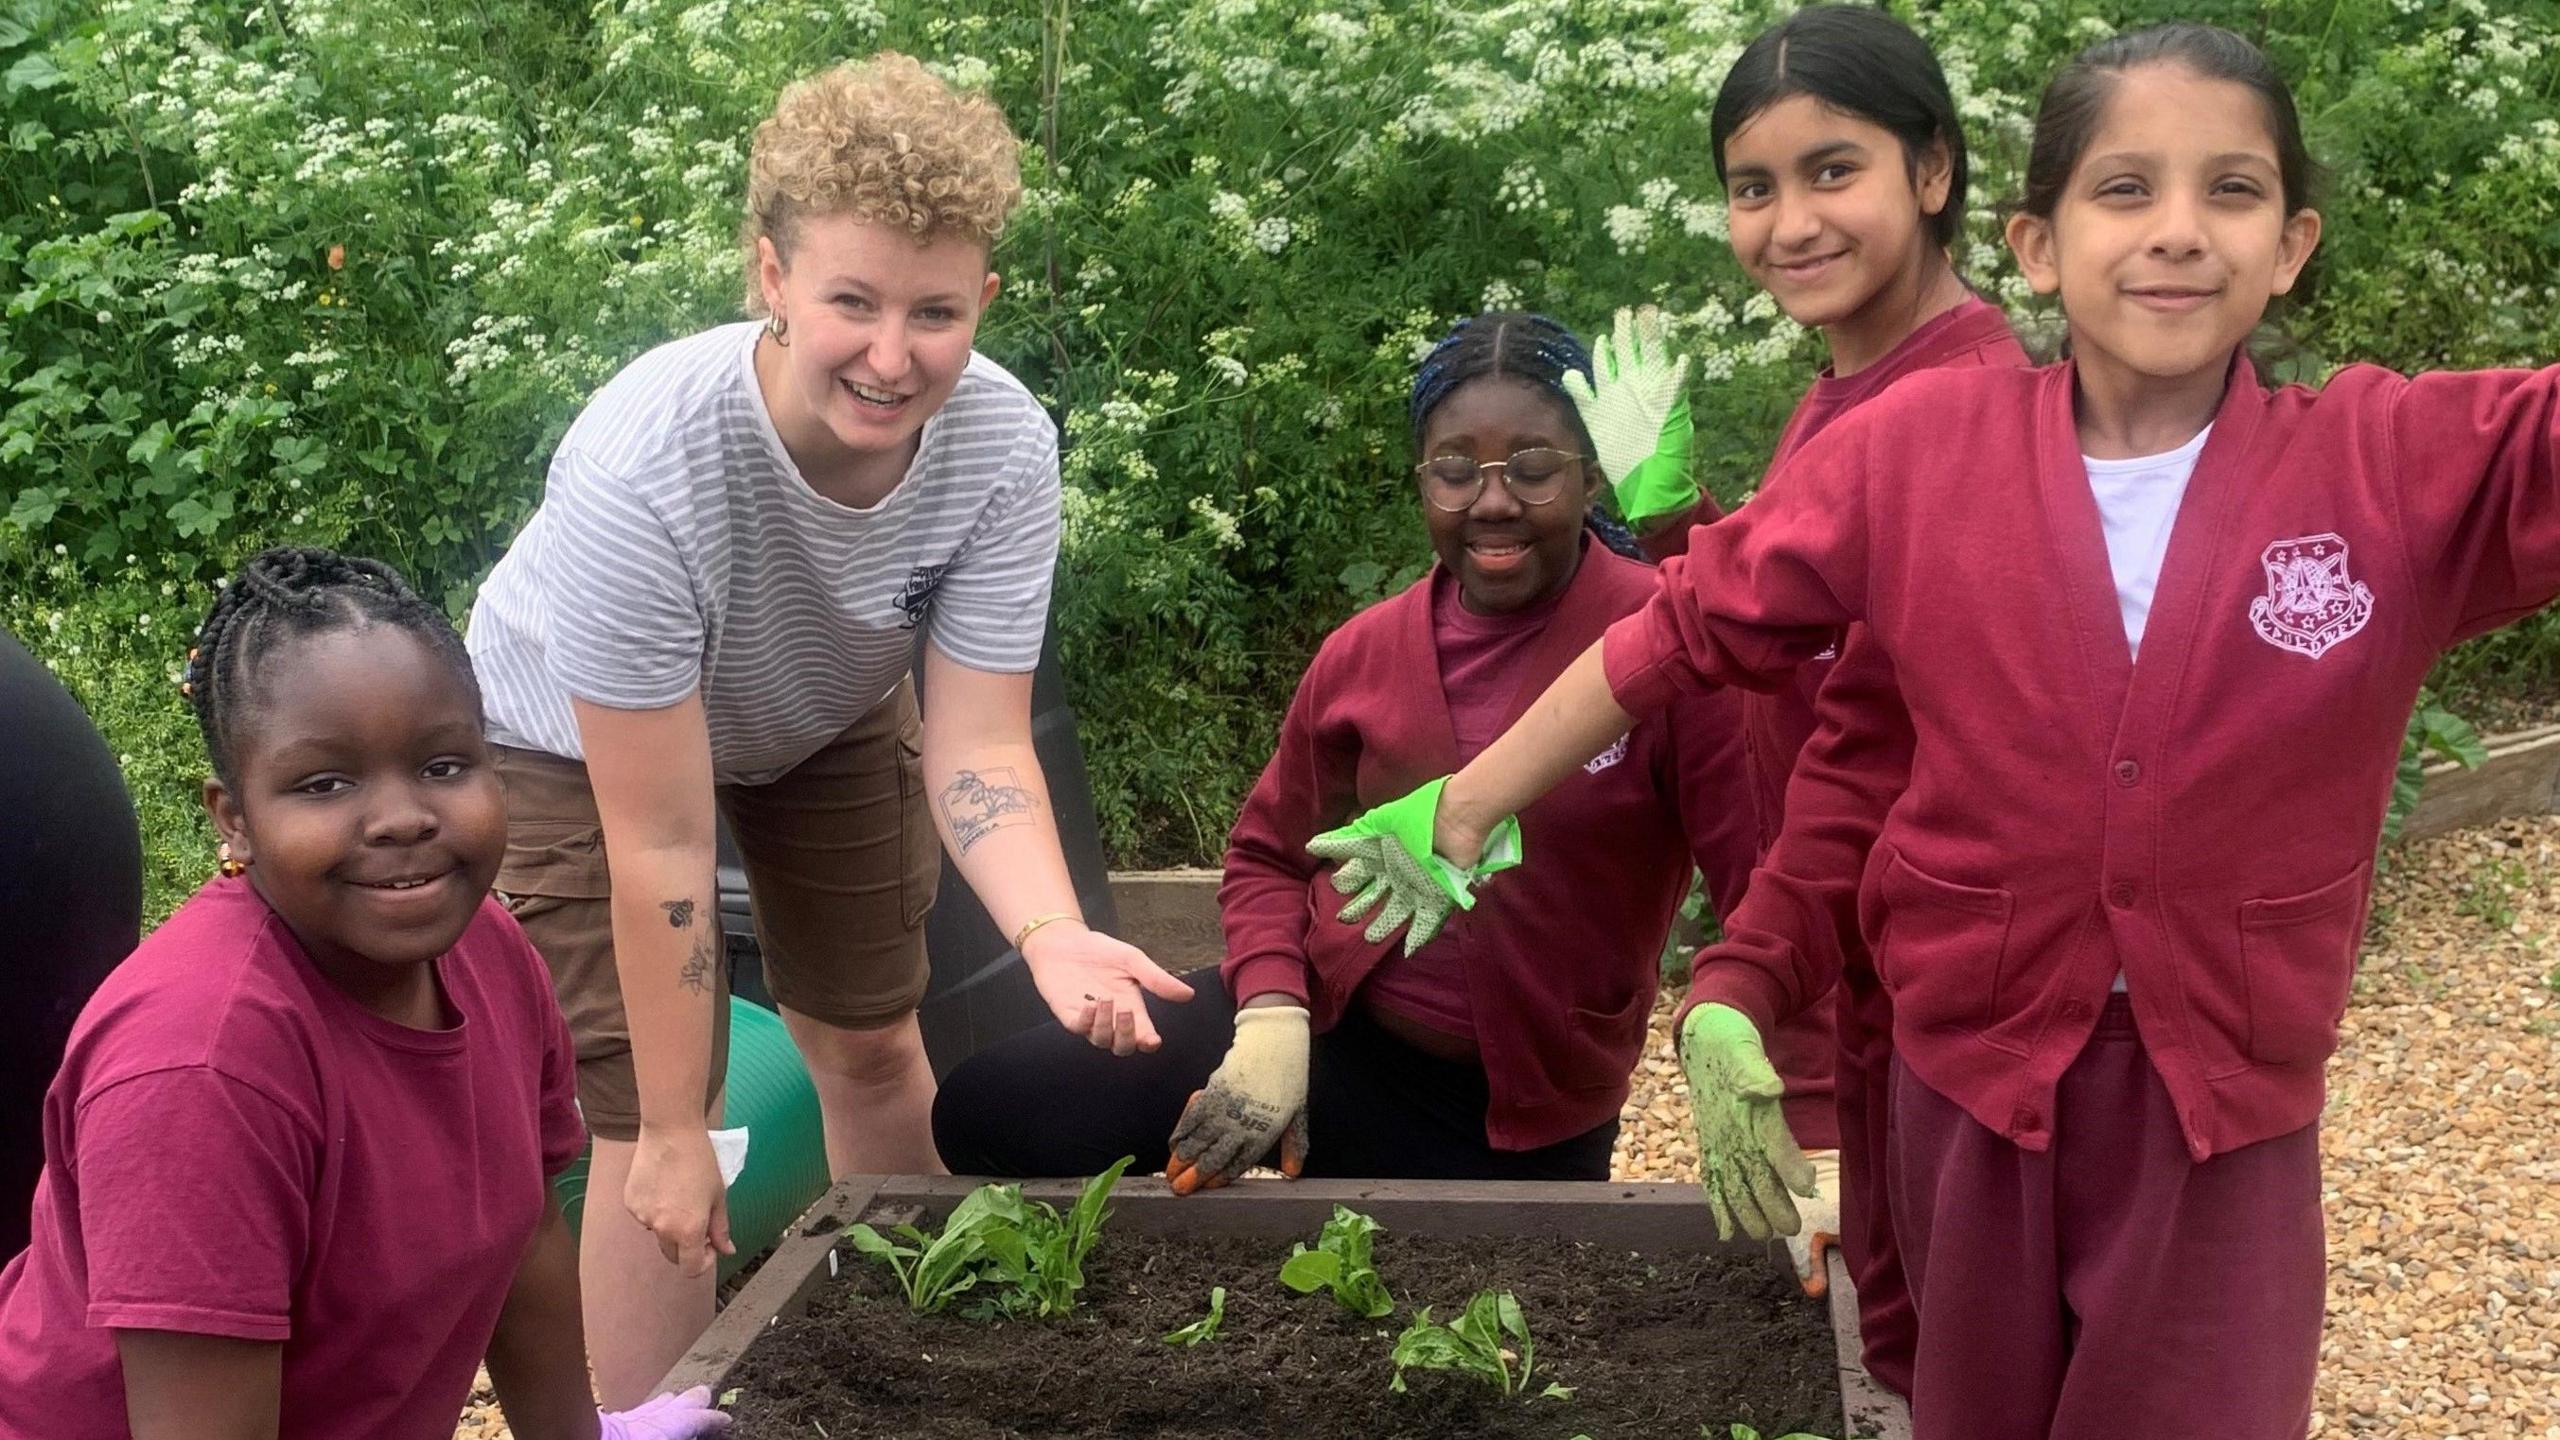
{"x": 1024, "y": 1250}
{"x": 342, "y": 274}
{"x": 1485, "y": 1341}
{"x": 1746, "y": 1432}
{"x": 2435, "y": 733}
{"x": 1204, "y": 1329}
{"x": 1341, "y": 1264}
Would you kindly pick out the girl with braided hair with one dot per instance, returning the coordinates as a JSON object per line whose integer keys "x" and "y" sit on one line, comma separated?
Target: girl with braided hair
{"x": 1499, "y": 1047}
{"x": 297, "y": 1156}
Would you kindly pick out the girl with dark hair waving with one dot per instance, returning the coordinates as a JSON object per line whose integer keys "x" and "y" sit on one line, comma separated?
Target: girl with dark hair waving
{"x": 2137, "y": 603}
{"x": 1500, "y": 1046}
{"x": 298, "y": 1156}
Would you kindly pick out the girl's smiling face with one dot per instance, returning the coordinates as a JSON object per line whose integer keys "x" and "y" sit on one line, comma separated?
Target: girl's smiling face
{"x": 1826, "y": 212}
{"x": 2172, "y": 234}
{"x": 364, "y": 803}
{"x": 1508, "y": 555}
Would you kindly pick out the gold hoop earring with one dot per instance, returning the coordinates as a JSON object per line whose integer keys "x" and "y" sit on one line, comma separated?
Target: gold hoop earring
{"x": 780, "y": 329}
{"x": 231, "y": 869}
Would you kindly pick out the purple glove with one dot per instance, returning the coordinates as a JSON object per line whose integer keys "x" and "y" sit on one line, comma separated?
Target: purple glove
{"x": 668, "y": 1417}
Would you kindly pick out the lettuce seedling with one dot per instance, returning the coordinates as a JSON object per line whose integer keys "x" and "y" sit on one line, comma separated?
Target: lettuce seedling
{"x": 996, "y": 1236}
{"x": 1340, "y": 1263}
{"x": 1474, "y": 1345}
{"x": 1204, "y": 1330}
{"x": 1039, "y": 1257}
{"x": 933, "y": 1269}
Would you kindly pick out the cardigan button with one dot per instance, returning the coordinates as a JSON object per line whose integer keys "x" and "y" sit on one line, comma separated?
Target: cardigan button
{"x": 2128, "y": 771}
{"x": 2025, "y": 1121}
{"x": 2120, "y": 894}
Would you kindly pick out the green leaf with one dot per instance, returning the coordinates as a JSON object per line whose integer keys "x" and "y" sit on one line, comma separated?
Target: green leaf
{"x": 37, "y": 504}
{"x": 1205, "y": 1329}
{"x": 33, "y": 72}
{"x": 1309, "y": 1271}
{"x": 12, "y": 33}
{"x": 1084, "y": 1221}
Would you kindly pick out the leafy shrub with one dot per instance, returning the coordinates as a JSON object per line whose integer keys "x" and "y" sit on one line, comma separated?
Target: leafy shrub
{"x": 342, "y": 271}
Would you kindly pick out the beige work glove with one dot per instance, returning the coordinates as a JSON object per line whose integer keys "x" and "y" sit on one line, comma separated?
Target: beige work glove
{"x": 1257, "y": 1096}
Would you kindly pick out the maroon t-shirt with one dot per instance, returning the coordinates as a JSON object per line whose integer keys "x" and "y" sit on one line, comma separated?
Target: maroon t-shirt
{"x": 1480, "y": 658}
{"x": 233, "y": 1147}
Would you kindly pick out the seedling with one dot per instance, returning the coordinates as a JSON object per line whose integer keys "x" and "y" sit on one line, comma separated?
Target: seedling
{"x": 1745, "y": 1432}
{"x": 932, "y": 1269}
{"x": 1205, "y": 1329}
{"x": 1039, "y": 1257}
{"x": 1340, "y": 1263}
{"x": 1475, "y": 1345}
{"x": 996, "y": 1236}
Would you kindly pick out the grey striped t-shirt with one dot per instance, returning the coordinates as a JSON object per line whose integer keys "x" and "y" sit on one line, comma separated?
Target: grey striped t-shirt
{"x": 678, "y": 546}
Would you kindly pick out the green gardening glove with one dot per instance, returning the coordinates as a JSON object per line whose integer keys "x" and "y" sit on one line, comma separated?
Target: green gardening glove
{"x": 1385, "y": 856}
{"x": 1636, "y": 407}
{"x": 1747, "y": 1162}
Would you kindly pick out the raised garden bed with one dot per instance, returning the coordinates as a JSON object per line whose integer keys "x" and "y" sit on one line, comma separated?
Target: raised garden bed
{"x": 1631, "y": 1302}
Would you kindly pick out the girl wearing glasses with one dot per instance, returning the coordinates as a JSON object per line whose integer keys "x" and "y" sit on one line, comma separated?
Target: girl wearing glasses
{"x": 1498, "y": 1047}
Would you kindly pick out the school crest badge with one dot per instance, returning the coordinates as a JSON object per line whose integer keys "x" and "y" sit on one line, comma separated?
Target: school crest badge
{"x": 2312, "y": 605}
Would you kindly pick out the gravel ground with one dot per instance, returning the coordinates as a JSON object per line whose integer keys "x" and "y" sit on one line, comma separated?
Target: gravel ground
{"x": 2442, "y": 1150}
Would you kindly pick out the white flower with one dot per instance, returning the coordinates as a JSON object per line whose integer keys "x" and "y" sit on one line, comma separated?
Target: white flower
{"x": 1501, "y": 295}
{"x": 1229, "y": 369}
{"x": 1629, "y": 228}
{"x": 1271, "y": 234}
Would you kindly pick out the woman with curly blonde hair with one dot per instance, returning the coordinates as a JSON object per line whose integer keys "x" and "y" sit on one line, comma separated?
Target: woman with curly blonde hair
{"x": 712, "y": 614}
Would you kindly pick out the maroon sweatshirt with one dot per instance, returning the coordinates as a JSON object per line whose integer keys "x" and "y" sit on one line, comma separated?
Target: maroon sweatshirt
{"x": 2203, "y": 820}
{"x": 1560, "y": 955}
{"x": 1777, "y": 723}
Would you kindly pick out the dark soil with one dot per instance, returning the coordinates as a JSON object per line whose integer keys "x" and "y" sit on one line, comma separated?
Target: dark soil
{"x": 1654, "y": 1347}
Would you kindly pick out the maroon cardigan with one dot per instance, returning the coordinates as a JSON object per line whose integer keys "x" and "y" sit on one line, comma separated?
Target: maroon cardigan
{"x": 2203, "y": 820}
{"x": 1561, "y": 955}
{"x": 1776, "y": 724}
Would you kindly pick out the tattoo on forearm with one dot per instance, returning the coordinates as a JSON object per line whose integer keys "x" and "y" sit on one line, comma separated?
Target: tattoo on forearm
{"x": 679, "y": 913}
{"x": 696, "y": 975}
{"x": 978, "y": 803}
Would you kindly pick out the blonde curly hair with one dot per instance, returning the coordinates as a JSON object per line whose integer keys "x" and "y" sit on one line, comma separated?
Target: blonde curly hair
{"x": 886, "y": 142}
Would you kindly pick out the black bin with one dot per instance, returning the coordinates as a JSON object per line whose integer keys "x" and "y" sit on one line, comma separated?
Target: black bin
{"x": 980, "y": 992}
{"x": 70, "y": 901}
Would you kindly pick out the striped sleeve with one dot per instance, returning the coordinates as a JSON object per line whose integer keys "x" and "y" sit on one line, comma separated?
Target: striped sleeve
{"x": 625, "y": 620}
{"x": 992, "y": 609}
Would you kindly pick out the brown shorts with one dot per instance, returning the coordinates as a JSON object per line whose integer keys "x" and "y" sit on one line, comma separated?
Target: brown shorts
{"x": 841, "y": 859}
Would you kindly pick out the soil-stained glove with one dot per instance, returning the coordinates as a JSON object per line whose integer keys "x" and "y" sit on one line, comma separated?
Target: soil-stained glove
{"x": 1820, "y": 1233}
{"x": 1385, "y": 860}
{"x": 1747, "y": 1162}
{"x": 1636, "y": 406}
{"x": 1258, "y": 1095}
{"x": 668, "y": 1417}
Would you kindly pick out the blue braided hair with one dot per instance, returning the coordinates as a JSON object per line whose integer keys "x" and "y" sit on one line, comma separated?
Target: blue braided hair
{"x": 1521, "y": 346}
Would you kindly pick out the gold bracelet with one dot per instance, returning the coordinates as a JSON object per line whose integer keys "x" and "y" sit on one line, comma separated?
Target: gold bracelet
{"x": 1036, "y": 921}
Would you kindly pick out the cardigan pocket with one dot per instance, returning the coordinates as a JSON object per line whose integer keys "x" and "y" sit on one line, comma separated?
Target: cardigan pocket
{"x": 2298, "y": 959}
{"x": 1943, "y": 948}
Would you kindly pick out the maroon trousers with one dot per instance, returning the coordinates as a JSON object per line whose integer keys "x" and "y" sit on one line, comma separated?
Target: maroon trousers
{"x": 1862, "y": 1094}
{"x": 2110, "y": 1287}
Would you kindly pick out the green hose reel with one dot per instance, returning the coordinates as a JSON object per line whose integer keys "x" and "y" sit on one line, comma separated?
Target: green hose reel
{"x": 770, "y": 1094}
